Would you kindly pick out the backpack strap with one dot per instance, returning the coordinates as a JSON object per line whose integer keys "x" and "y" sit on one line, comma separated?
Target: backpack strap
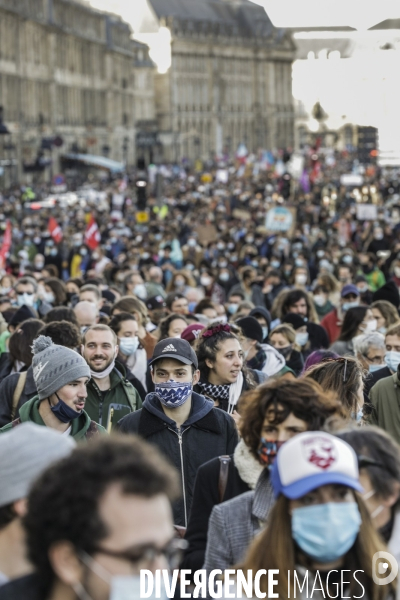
{"x": 18, "y": 393}
{"x": 130, "y": 392}
{"x": 223, "y": 475}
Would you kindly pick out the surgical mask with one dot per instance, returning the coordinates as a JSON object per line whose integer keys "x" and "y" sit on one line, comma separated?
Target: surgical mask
{"x": 83, "y": 251}
{"x": 319, "y": 300}
{"x": 320, "y": 253}
{"x": 300, "y": 279}
{"x": 49, "y": 297}
{"x": 347, "y": 305}
{"x": 370, "y": 326}
{"x": 122, "y": 587}
{"x": 382, "y": 330}
{"x": 28, "y": 299}
{"x": 302, "y": 338}
{"x": 173, "y": 394}
{"x": 205, "y": 281}
{"x": 267, "y": 452}
{"x": 363, "y": 289}
{"x": 179, "y": 283}
{"x": 39, "y": 265}
{"x": 357, "y": 417}
{"x": 192, "y": 243}
{"x": 232, "y": 308}
{"x": 326, "y": 532}
{"x": 129, "y": 345}
{"x": 378, "y": 509}
{"x": 373, "y": 368}
{"x": 347, "y": 259}
{"x": 63, "y": 412}
{"x": 392, "y": 360}
{"x": 275, "y": 264}
{"x": 224, "y": 276}
{"x": 299, "y": 262}
{"x": 5, "y": 290}
{"x": 265, "y": 332}
{"x": 378, "y": 236}
{"x": 140, "y": 291}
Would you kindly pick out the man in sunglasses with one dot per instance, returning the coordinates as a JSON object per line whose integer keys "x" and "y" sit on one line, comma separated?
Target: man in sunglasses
{"x": 96, "y": 519}
{"x": 26, "y": 292}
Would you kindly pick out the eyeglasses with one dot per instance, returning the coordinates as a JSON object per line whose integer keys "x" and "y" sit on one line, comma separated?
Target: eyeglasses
{"x": 143, "y": 557}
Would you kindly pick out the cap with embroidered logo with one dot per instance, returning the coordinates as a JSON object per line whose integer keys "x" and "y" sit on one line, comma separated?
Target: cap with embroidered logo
{"x": 311, "y": 460}
{"x": 175, "y": 348}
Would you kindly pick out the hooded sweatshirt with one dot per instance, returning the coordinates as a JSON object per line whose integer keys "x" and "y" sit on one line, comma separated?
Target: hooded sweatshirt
{"x": 208, "y": 432}
{"x": 82, "y": 428}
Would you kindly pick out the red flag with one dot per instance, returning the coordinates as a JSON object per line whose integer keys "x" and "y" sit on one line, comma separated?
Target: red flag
{"x": 92, "y": 234}
{"x": 55, "y": 230}
{"x": 5, "y": 248}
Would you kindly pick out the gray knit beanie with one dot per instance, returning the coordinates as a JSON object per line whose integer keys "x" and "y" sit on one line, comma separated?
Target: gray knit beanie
{"x": 54, "y": 366}
{"x": 26, "y": 451}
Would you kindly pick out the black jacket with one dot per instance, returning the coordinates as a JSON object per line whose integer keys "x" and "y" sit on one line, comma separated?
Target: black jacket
{"x": 205, "y": 497}
{"x": 295, "y": 362}
{"x": 23, "y": 588}
{"x": 207, "y": 433}
{"x": 7, "y": 388}
{"x": 6, "y": 365}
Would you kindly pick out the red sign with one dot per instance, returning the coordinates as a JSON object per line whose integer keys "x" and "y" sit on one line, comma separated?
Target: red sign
{"x": 92, "y": 234}
{"x": 55, "y": 230}
{"x": 5, "y": 248}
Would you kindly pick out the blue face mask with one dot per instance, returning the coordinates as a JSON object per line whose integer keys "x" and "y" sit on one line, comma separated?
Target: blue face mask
{"x": 357, "y": 417}
{"x": 325, "y": 532}
{"x": 172, "y": 394}
{"x": 265, "y": 332}
{"x": 373, "y": 368}
{"x": 392, "y": 360}
{"x": 302, "y": 338}
{"x": 347, "y": 305}
{"x": 63, "y": 412}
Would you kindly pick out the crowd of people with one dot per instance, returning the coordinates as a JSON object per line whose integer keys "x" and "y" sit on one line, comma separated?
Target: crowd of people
{"x": 192, "y": 390}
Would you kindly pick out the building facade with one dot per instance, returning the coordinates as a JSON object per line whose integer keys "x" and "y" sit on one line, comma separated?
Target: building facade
{"x": 72, "y": 72}
{"x": 230, "y": 79}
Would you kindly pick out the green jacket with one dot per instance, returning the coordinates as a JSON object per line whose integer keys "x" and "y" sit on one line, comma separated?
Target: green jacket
{"x": 110, "y": 406}
{"x": 385, "y": 397}
{"x": 82, "y": 428}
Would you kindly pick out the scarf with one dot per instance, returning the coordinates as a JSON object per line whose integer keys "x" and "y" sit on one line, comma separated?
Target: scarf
{"x": 227, "y": 394}
{"x": 258, "y": 361}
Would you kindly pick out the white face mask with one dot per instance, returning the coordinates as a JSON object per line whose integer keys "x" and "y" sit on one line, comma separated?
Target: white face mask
{"x": 28, "y": 299}
{"x": 49, "y": 297}
{"x": 370, "y": 326}
{"x": 319, "y": 300}
{"x": 301, "y": 279}
{"x": 205, "y": 281}
{"x": 140, "y": 291}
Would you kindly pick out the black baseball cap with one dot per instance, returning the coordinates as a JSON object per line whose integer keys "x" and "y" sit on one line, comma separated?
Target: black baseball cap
{"x": 155, "y": 302}
{"x": 175, "y": 348}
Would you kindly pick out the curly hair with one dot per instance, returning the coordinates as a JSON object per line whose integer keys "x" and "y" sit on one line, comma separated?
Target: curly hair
{"x": 340, "y": 376}
{"x": 63, "y": 504}
{"x": 279, "y": 398}
{"x": 286, "y": 298}
{"x": 62, "y": 333}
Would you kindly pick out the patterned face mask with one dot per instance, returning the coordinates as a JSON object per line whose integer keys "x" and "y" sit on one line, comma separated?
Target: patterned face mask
{"x": 268, "y": 451}
{"x": 172, "y": 394}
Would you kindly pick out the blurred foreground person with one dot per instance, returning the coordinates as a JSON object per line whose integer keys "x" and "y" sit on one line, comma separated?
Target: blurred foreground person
{"x": 319, "y": 523}
{"x": 95, "y": 519}
{"x": 61, "y": 376}
{"x": 271, "y": 415}
{"x": 26, "y": 452}
{"x": 379, "y": 463}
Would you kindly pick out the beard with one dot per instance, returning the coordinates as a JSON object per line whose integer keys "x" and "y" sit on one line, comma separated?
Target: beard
{"x": 96, "y": 368}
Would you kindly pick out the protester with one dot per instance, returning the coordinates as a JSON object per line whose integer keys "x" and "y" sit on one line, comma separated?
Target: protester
{"x": 87, "y": 314}
{"x": 19, "y": 356}
{"x": 192, "y": 332}
{"x": 177, "y": 303}
{"x": 272, "y": 414}
{"x": 114, "y": 497}
{"x": 183, "y": 424}
{"x": 344, "y": 378}
{"x": 370, "y": 350}
{"x": 284, "y": 339}
{"x": 130, "y": 354}
{"x": 172, "y": 326}
{"x": 27, "y": 451}
{"x": 385, "y": 314}
{"x": 110, "y": 395}
{"x": 138, "y": 309}
{"x": 18, "y": 388}
{"x": 319, "y": 523}
{"x": 379, "y": 464}
{"x": 333, "y": 321}
{"x": 391, "y": 359}
{"x": 358, "y": 320}
{"x": 61, "y": 376}
{"x": 26, "y": 291}
{"x": 55, "y": 292}
{"x": 317, "y": 357}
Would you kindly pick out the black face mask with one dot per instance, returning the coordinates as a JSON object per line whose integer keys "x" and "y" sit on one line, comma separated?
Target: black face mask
{"x": 285, "y": 351}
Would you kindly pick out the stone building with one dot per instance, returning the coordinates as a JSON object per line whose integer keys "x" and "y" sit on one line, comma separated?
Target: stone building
{"x": 230, "y": 79}
{"x": 70, "y": 71}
